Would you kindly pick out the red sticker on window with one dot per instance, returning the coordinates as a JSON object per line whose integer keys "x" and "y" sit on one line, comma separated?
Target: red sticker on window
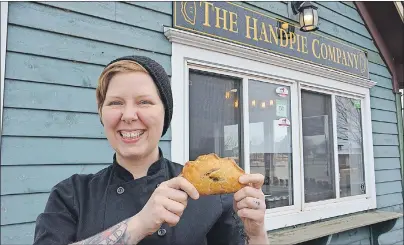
{"x": 282, "y": 91}
{"x": 283, "y": 122}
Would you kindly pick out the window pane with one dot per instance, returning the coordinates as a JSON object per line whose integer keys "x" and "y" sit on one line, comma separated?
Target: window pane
{"x": 270, "y": 140}
{"x": 214, "y": 115}
{"x": 350, "y": 155}
{"x": 318, "y": 157}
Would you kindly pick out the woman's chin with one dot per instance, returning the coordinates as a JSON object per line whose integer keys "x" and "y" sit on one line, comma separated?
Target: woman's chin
{"x": 131, "y": 153}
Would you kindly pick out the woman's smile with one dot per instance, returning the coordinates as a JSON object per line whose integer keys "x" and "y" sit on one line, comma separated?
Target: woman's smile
{"x": 131, "y": 136}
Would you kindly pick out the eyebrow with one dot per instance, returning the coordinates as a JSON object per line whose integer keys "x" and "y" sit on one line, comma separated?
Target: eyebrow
{"x": 113, "y": 97}
{"x": 146, "y": 96}
{"x": 119, "y": 97}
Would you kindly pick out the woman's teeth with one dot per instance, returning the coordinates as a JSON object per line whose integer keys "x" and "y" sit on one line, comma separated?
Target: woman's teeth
{"x": 132, "y": 135}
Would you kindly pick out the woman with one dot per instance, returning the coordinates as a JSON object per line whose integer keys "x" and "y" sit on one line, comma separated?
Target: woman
{"x": 140, "y": 199}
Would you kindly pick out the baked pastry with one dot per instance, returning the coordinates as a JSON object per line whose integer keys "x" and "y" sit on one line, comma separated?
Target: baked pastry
{"x": 213, "y": 175}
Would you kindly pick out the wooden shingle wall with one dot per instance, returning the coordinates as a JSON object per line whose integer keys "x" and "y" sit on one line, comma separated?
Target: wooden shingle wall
{"x": 55, "y": 53}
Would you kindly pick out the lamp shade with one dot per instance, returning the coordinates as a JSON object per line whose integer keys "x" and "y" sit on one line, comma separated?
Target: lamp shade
{"x": 308, "y": 17}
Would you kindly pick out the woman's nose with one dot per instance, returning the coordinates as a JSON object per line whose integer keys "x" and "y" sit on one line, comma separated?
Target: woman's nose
{"x": 129, "y": 114}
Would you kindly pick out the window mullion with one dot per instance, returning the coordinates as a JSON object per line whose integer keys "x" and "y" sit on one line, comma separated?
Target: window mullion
{"x": 186, "y": 113}
{"x": 300, "y": 190}
{"x": 297, "y": 152}
{"x": 367, "y": 138}
{"x": 335, "y": 138}
{"x": 246, "y": 125}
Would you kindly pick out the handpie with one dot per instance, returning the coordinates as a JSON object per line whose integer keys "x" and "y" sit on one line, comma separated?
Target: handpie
{"x": 212, "y": 175}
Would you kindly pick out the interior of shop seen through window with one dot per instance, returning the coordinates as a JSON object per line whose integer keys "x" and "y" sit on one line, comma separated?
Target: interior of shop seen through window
{"x": 216, "y": 125}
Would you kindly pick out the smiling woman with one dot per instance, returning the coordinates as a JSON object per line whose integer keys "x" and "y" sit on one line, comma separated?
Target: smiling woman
{"x": 142, "y": 197}
{"x": 128, "y": 94}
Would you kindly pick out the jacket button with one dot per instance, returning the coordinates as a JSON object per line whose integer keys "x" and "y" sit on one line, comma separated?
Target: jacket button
{"x": 120, "y": 190}
{"x": 161, "y": 232}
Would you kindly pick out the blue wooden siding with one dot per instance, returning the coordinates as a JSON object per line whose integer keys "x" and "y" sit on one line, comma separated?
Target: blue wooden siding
{"x": 55, "y": 53}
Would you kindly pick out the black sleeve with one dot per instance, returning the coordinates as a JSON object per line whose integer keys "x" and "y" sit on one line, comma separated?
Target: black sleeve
{"x": 57, "y": 224}
{"x": 229, "y": 229}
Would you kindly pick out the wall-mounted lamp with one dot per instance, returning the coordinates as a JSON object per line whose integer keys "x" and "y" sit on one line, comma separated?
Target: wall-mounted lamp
{"x": 308, "y": 16}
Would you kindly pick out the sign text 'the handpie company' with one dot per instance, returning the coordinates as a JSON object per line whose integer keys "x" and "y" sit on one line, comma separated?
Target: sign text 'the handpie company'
{"x": 231, "y": 22}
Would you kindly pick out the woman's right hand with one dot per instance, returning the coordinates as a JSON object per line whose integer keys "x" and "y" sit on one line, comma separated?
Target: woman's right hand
{"x": 166, "y": 205}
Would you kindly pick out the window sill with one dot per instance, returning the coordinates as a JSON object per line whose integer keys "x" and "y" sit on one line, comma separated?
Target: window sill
{"x": 292, "y": 217}
{"x": 381, "y": 222}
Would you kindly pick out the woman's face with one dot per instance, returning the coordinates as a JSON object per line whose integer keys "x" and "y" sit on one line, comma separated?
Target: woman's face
{"x": 133, "y": 115}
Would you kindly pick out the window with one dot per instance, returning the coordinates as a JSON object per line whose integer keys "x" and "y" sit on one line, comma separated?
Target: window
{"x": 214, "y": 115}
{"x": 216, "y": 125}
{"x": 350, "y": 147}
{"x": 321, "y": 155}
{"x": 318, "y": 147}
{"x": 270, "y": 139}
{"x": 308, "y": 135}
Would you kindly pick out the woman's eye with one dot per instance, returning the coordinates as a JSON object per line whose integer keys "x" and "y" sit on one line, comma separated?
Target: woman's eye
{"x": 145, "y": 102}
{"x": 114, "y": 103}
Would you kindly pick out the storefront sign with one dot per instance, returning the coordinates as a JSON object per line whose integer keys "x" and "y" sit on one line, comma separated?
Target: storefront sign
{"x": 231, "y": 22}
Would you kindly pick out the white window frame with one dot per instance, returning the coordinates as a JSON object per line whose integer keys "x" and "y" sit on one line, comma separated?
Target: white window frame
{"x": 204, "y": 53}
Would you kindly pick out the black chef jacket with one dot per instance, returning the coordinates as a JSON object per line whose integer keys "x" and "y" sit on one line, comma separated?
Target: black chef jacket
{"x": 84, "y": 205}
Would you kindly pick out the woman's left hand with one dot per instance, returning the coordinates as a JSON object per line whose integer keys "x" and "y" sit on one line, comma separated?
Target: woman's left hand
{"x": 249, "y": 203}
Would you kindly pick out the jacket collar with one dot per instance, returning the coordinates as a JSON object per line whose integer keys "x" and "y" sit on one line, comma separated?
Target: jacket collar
{"x": 154, "y": 169}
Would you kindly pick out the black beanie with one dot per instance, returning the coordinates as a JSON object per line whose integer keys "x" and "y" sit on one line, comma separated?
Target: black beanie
{"x": 161, "y": 80}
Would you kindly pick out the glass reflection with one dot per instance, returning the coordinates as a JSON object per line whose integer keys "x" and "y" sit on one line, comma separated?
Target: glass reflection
{"x": 318, "y": 156}
{"x": 350, "y": 152}
{"x": 270, "y": 140}
{"x": 214, "y": 115}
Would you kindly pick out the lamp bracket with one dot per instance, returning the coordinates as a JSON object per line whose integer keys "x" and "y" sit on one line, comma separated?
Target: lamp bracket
{"x": 296, "y": 6}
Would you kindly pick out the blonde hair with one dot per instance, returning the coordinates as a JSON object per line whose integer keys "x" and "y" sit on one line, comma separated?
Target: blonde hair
{"x": 109, "y": 72}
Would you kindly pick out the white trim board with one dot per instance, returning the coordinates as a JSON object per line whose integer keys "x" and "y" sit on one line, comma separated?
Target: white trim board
{"x": 4, "y": 23}
{"x": 202, "y": 53}
{"x": 217, "y": 45}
